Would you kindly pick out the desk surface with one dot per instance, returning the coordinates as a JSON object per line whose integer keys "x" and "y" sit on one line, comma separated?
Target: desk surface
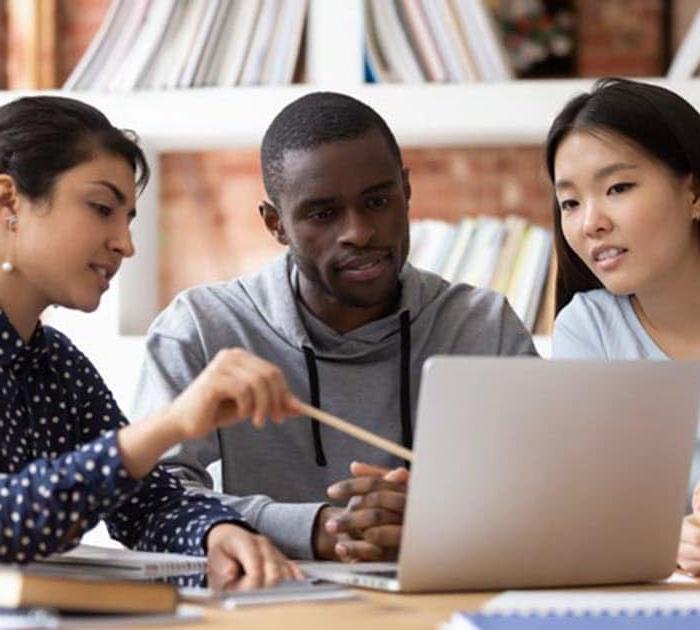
{"x": 372, "y": 611}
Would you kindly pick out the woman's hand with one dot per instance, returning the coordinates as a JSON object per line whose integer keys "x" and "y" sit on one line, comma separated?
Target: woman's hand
{"x": 234, "y": 386}
{"x": 240, "y": 560}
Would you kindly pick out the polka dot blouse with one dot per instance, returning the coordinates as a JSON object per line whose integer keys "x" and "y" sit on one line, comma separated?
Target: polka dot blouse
{"x": 60, "y": 468}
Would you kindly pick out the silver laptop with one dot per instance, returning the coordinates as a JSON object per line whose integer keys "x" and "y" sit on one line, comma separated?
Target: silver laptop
{"x": 532, "y": 473}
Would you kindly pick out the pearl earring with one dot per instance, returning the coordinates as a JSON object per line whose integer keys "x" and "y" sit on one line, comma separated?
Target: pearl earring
{"x": 7, "y": 266}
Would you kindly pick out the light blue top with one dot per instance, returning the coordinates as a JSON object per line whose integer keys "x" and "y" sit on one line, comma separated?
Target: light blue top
{"x": 600, "y": 325}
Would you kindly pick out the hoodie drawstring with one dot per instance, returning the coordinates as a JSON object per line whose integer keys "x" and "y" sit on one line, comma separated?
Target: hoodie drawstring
{"x": 405, "y": 391}
{"x": 406, "y": 428}
{"x": 315, "y": 394}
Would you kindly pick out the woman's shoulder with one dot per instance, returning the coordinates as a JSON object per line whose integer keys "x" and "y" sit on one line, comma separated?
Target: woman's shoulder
{"x": 598, "y": 297}
{"x": 597, "y": 305}
{"x": 595, "y": 324}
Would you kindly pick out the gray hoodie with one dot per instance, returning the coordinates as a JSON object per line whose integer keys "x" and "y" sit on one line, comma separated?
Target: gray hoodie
{"x": 277, "y": 477}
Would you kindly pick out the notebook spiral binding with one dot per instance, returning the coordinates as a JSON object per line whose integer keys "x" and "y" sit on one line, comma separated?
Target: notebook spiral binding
{"x": 623, "y": 612}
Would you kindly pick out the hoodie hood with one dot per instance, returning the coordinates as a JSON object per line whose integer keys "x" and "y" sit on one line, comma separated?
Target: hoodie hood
{"x": 272, "y": 294}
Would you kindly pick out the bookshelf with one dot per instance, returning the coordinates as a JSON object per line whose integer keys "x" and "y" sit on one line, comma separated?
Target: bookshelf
{"x": 517, "y": 112}
{"x": 422, "y": 115}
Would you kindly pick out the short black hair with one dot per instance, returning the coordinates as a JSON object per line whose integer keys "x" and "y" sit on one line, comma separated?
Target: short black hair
{"x": 312, "y": 120}
{"x": 659, "y": 121}
{"x": 44, "y": 136}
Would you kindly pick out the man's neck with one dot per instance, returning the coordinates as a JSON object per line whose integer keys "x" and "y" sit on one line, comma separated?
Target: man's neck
{"x": 341, "y": 317}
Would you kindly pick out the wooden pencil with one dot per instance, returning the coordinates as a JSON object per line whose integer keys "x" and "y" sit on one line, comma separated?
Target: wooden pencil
{"x": 356, "y": 432}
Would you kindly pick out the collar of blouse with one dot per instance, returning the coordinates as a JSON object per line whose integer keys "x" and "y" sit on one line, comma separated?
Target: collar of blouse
{"x": 14, "y": 352}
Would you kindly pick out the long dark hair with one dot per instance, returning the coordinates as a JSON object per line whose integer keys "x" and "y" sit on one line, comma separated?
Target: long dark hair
{"x": 659, "y": 121}
{"x": 43, "y": 136}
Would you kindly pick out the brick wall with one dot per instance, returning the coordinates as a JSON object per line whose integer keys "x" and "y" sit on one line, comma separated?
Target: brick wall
{"x": 211, "y": 229}
{"x": 210, "y": 226}
{"x": 620, "y": 37}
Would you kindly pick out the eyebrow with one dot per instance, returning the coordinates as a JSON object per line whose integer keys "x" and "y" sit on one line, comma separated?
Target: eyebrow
{"x": 120, "y": 196}
{"x": 390, "y": 183}
{"x": 320, "y": 201}
{"x": 600, "y": 174}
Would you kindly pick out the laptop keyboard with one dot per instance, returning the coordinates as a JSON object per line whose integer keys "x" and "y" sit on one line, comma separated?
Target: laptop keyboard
{"x": 389, "y": 574}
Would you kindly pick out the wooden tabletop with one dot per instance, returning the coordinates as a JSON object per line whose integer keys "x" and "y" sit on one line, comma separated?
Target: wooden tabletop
{"x": 372, "y": 611}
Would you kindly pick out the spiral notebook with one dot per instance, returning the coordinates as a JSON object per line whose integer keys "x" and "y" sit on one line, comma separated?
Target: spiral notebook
{"x": 637, "y": 620}
{"x": 585, "y": 608}
{"x": 120, "y": 563}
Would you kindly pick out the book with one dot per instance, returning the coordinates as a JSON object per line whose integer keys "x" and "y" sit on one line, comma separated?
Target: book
{"x": 259, "y": 50}
{"x": 546, "y": 314}
{"x": 237, "y": 41}
{"x": 478, "y": 268}
{"x": 121, "y": 563}
{"x": 157, "y": 72}
{"x": 637, "y": 620}
{"x": 31, "y": 588}
{"x": 529, "y": 274}
{"x": 141, "y": 55}
{"x": 433, "y": 254}
{"x": 579, "y": 609}
{"x": 280, "y": 62}
{"x": 125, "y": 38}
{"x": 377, "y": 67}
{"x": 515, "y": 229}
{"x": 423, "y": 40}
{"x": 507, "y": 255}
{"x": 393, "y": 43}
{"x": 448, "y": 40}
{"x": 206, "y": 33}
{"x": 185, "y": 40}
{"x": 482, "y": 36}
{"x": 679, "y": 594}
{"x": 97, "y": 52}
{"x": 453, "y": 263}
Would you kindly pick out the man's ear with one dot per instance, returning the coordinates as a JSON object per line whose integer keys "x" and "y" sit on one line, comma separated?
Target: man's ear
{"x": 8, "y": 197}
{"x": 273, "y": 222}
{"x": 406, "y": 181}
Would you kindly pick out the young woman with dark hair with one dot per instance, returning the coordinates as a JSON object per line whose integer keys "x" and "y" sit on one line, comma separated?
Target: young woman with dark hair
{"x": 68, "y": 458}
{"x": 624, "y": 160}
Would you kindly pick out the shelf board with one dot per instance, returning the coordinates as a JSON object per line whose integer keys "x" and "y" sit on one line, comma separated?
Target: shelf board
{"x": 513, "y": 112}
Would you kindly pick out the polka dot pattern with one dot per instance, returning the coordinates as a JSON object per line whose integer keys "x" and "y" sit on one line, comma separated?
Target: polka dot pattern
{"x": 60, "y": 466}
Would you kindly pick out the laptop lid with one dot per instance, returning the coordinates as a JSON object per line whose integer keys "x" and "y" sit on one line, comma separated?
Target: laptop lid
{"x": 532, "y": 473}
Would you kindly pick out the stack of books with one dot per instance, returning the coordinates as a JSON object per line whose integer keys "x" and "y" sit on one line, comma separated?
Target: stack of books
{"x": 412, "y": 41}
{"x": 167, "y": 44}
{"x": 508, "y": 255}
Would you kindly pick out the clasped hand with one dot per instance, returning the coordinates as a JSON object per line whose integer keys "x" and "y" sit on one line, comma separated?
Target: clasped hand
{"x": 370, "y": 527}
